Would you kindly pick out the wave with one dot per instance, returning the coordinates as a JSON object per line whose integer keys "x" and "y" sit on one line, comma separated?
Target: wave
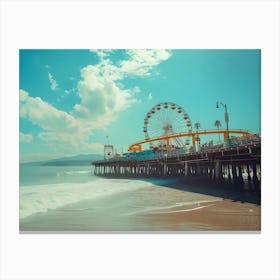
{"x": 185, "y": 210}
{"x": 157, "y": 209}
{"x": 62, "y": 173}
{"x": 41, "y": 198}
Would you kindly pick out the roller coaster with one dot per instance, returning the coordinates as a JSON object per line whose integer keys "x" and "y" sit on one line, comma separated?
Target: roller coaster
{"x": 137, "y": 147}
{"x": 169, "y": 126}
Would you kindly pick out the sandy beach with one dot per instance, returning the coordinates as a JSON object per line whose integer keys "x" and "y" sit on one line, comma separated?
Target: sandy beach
{"x": 157, "y": 206}
{"x": 219, "y": 215}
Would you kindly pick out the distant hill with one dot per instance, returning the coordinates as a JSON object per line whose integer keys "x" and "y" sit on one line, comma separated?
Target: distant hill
{"x": 69, "y": 161}
{"x": 75, "y": 160}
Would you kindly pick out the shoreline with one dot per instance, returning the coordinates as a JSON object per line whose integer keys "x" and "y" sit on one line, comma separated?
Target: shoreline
{"x": 236, "y": 192}
{"x": 170, "y": 205}
{"x": 223, "y": 215}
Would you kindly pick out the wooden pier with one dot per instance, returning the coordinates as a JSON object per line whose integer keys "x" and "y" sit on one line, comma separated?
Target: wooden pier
{"x": 235, "y": 165}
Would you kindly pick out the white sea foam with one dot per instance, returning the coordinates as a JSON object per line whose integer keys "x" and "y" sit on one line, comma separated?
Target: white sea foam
{"x": 157, "y": 210}
{"x": 184, "y": 210}
{"x": 75, "y": 172}
{"x": 41, "y": 198}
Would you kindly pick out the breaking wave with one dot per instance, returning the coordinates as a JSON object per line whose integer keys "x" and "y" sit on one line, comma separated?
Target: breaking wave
{"x": 41, "y": 198}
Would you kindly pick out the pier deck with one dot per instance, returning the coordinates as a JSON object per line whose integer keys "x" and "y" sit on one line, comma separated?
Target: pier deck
{"x": 233, "y": 165}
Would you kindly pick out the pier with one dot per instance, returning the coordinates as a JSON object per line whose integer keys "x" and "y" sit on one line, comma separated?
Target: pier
{"x": 175, "y": 150}
{"x": 240, "y": 165}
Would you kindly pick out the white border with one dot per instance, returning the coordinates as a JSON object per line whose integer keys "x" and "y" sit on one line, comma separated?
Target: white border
{"x": 157, "y": 24}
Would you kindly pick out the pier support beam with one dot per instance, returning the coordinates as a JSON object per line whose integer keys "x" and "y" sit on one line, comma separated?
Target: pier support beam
{"x": 234, "y": 174}
{"x": 255, "y": 178}
{"x": 198, "y": 168}
{"x": 186, "y": 169}
{"x": 164, "y": 171}
{"x": 218, "y": 171}
{"x": 240, "y": 177}
{"x": 249, "y": 179}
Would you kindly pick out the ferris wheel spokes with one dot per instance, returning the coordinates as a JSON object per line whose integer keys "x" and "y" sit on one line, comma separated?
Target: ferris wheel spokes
{"x": 165, "y": 119}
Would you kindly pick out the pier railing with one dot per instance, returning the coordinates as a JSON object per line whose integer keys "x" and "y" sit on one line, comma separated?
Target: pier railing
{"x": 163, "y": 154}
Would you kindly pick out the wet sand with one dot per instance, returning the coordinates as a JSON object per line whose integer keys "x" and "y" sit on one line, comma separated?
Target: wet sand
{"x": 172, "y": 207}
{"x": 219, "y": 215}
{"x": 122, "y": 214}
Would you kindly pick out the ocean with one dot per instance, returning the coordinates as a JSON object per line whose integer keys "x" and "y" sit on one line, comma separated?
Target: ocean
{"x": 71, "y": 198}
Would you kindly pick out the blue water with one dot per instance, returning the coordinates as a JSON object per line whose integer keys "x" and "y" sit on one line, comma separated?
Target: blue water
{"x": 46, "y": 175}
{"x": 44, "y": 188}
{"x": 72, "y": 198}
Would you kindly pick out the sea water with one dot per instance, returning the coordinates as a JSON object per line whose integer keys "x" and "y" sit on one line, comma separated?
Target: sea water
{"x": 43, "y": 188}
{"x": 60, "y": 198}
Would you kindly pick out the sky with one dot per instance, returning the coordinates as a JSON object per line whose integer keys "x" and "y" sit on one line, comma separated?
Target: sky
{"x": 73, "y": 102}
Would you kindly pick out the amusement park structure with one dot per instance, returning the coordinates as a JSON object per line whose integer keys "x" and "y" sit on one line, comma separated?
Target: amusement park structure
{"x": 137, "y": 147}
{"x": 167, "y": 125}
{"x": 175, "y": 150}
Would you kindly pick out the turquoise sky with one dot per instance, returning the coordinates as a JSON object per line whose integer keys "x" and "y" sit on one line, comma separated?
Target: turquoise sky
{"x": 75, "y": 101}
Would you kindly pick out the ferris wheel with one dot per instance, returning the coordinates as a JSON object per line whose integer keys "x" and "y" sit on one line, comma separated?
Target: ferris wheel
{"x": 165, "y": 119}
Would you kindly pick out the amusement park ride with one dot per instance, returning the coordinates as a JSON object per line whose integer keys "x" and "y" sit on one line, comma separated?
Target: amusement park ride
{"x": 168, "y": 126}
{"x": 172, "y": 149}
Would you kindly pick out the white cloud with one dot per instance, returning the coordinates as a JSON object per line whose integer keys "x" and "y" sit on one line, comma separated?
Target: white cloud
{"x": 141, "y": 62}
{"x": 103, "y": 97}
{"x": 57, "y": 125}
{"x": 53, "y": 82}
{"x": 68, "y": 132}
{"x": 71, "y": 90}
{"x": 102, "y": 53}
{"x": 23, "y": 95}
{"x": 101, "y": 92}
{"x": 25, "y": 137}
{"x": 136, "y": 90}
{"x": 150, "y": 96}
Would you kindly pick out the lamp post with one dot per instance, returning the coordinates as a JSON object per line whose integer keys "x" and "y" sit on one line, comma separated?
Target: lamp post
{"x": 197, "y": 126}
{"x": 226, "y": 120}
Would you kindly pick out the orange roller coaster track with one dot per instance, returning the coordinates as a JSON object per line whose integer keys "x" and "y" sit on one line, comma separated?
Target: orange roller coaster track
{"x": 137, "y": 147}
